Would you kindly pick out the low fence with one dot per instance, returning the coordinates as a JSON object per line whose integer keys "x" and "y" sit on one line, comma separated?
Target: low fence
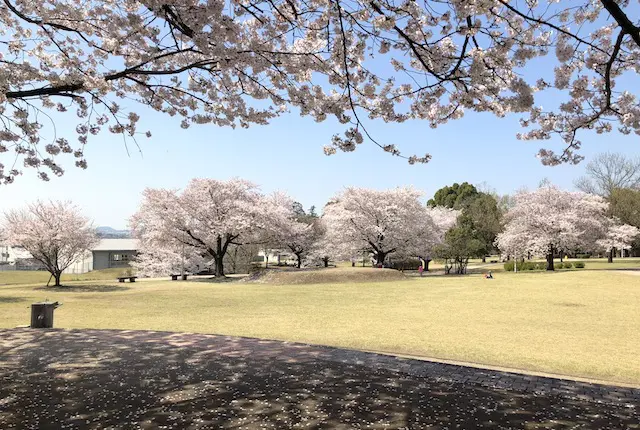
{"x": 74, "y": 269}
{"x": 14, "y": 267}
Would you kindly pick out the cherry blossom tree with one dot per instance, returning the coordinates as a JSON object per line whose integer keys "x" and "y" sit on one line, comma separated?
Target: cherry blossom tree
{"x": 322, "y": 251}
{"x": 444, "y": 219}
{"x": 289, "y": 228}
{"x": 299, "y": 238}
{"x": 161, "y": 258}
{"x": 380, "y": 222}
{"x": 208, "y": 217}
{"x": 242, "y": 62}
{"x": 619, "y": 236}
{"x": 549, "y": 220}
{"x": 54, "y": 233}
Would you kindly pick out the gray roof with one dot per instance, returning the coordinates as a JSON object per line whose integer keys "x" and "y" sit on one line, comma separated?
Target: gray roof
{"x": 117, "y": 245}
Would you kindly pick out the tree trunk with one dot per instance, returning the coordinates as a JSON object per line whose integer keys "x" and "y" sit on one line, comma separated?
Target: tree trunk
{"x": 561, "y": 256}
{"x": 426, "y": 264}
{"x": 550, "y": 259}
{"x": 484, "y": 258}
{"x": 299, "y": 260}
{"x": 380, "y": 257}
{"x": 325, "y": 260}
{"x": 219, "y": 267}
{"x": 56, "y": 277}
{"x": 610, "y": 256}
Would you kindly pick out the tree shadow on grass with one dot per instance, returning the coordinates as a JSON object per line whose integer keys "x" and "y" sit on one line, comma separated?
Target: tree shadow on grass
{"x": 129, "y": 379}
{"x": 88, "y": 288}
{"x": 216, "y": 280}
{"x": 12, "y": 299}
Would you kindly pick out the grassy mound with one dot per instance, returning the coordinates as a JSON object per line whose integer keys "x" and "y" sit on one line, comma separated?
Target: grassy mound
{"x": 331, "y": 275}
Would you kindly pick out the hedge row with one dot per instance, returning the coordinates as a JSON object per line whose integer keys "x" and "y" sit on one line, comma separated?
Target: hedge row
{"x": 530, "y": 265}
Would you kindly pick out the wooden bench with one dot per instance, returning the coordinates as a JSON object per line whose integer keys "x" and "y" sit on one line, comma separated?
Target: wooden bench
{"x": 175, "y": 277}
{"x": 130, "y": 278}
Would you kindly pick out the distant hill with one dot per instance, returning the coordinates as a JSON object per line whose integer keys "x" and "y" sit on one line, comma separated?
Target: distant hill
{"x": 112, "y": 233}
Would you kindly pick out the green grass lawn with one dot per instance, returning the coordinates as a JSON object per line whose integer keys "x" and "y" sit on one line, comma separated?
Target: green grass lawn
{"x": 590, "y": 264}
{"x": 15, "y": 277}
{"x": 574, "y": 323}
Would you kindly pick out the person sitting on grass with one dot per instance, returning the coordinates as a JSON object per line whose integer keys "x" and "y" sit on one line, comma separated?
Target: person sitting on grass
{"x": 488, "y": 275}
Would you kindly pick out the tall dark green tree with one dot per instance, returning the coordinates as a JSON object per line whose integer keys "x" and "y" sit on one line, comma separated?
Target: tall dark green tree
{"x": 481, "y": 211}
{"x": 453, "y": 196}
{"x": 298, "y": 210}
{"x": 460, "y": 244}
{"x": 483, "y": 216}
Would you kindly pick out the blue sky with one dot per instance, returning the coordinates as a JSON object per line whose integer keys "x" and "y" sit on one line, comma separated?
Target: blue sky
{"x": 287, "y": 155}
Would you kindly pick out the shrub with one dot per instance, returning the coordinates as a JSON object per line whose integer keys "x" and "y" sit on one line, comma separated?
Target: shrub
{"x": 558, "y": 266}
{"x": 568, "y": 265}
{"x": 583, "y": 255}
{"x": 541, "y": 266}
{"x": 522, "y": 265}
{"x": 579, "y": 264}
{"x": 406, "y": 264}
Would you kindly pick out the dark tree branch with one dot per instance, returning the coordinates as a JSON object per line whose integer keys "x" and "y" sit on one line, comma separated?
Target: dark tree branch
{"x": 622, "y": 19}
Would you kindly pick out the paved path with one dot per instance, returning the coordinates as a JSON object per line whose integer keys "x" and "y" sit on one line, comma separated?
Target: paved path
{"x": 134, "y": 379}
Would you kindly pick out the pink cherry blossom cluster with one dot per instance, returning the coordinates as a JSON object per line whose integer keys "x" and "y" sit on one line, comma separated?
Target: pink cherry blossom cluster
{"x": 244, "y": 62}
{"x": 618, "y": 236}
{"x": 196, "y": 227}
{"x": 389, "y": 222}
{"x": 549, "y": 219}
{"x": 55, "y": 233}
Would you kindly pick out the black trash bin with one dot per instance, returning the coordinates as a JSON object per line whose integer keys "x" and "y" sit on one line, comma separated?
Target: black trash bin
{"x": 42, "y": 314}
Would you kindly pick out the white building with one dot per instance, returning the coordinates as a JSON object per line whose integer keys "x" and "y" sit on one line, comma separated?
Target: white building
{"x": 276, "y": 256}
{"x": 114, "y": 253}
{"x": 108, "y": 253}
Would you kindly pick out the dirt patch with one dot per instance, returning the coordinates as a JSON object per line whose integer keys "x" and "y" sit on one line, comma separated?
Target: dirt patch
{"x": 84, "y": 288}
{"x": 570, "y": 305}
{"x": 331, "y": 275}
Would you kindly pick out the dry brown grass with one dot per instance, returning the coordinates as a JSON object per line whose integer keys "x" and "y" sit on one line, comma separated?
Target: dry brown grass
{"x": 575, "y": 323}
{"x": 332, "y": 275}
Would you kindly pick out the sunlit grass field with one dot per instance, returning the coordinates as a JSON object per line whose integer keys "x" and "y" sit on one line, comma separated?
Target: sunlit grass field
{"x": 577, "y": 323}
{"x": 14, "y": 277}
